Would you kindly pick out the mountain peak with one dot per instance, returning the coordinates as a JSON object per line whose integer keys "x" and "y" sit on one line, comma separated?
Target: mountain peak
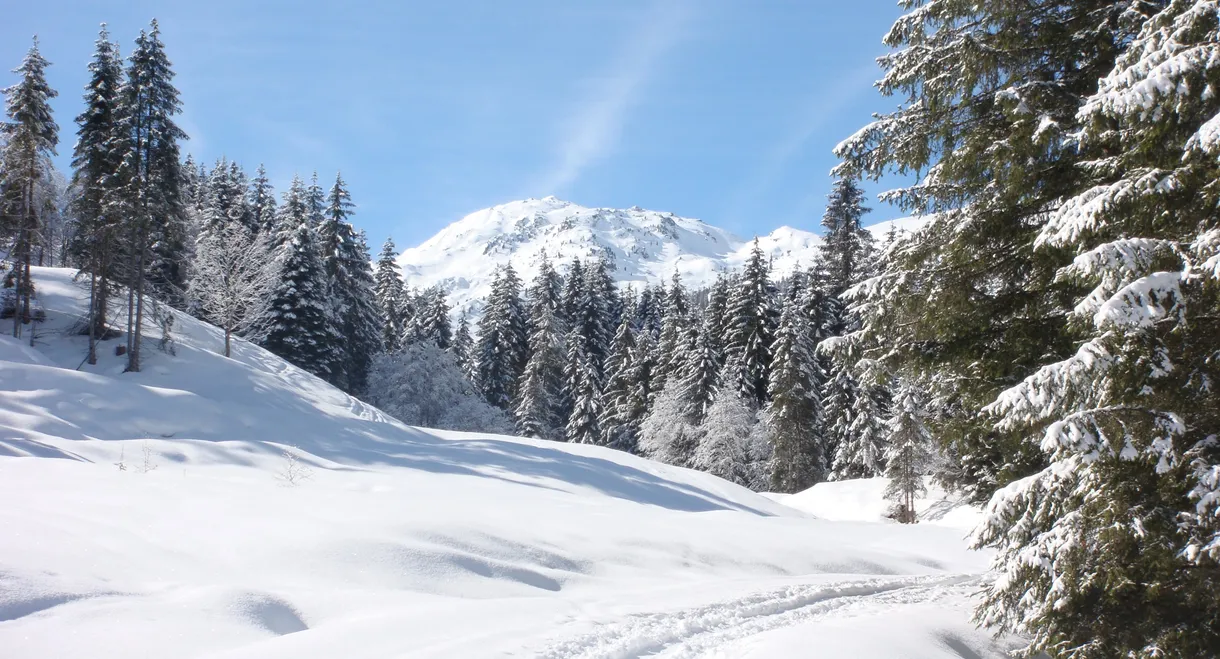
{"x": 643, "y": 247}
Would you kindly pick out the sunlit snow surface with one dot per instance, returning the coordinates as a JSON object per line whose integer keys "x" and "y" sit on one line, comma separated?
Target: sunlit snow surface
{"x": 643, "y": 247}
{"x": 403, "y": 541}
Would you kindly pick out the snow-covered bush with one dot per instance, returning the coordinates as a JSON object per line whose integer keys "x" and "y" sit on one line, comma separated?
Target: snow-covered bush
{"x": 422, "y": 385}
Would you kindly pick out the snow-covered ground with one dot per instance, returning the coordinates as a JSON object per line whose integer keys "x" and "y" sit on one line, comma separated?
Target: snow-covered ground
{"x": 409, "y": 542}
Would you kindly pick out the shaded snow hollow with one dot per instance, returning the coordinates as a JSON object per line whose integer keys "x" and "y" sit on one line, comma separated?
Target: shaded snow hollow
{"x": 403, "y": 541}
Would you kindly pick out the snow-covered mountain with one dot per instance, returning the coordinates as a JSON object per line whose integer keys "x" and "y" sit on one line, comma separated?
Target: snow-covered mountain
{"x": 644, "y": 246}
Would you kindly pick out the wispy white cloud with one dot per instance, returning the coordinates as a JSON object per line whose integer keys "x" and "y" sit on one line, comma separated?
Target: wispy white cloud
{"x": 814, "y": 115}
{"x": 593, "y": 131}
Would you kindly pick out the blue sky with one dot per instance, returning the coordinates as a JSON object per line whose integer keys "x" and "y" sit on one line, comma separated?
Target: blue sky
{"x": 724, "y": 110}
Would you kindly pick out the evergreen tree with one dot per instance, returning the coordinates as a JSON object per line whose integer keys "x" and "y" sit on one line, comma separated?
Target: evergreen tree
{"x": 618, "y": 421}
{"x": 847, "y": 247}
{"x": 315, "y": 201}
{"x": 584, "y": 390}
{"x": 463, "y": 344}
{"x": 670, "y": 354}
{"x": 390, "y": 293}
{"x": 860, "y": 450}
{"x": 260, "y": 199}
{"x": 503, "y": 346}
{"x": 537, "y": 410}
{"x": 353, "y": 294}
{"x": 1113, "y": 549}
{"x": 649, "y": 311}
{"x": 699, "y": 379}
{"x": 725, "y": 436}
{"x": 150, "y": 180}
{"x": 94, "y": 164}
{"x": 908, "y": 456}
{"x": 793, "y": 419}
{"x": 225, "y": 201}
{"x": 297, "y": 324}
{"x": 292, "y": 214}
{"x": 431, "y": 319}
{"x": 990, "y": 97}
{"x": 666, "y": 435}
{"x": 752, "y": 320}
{"x": 32, "y": 136}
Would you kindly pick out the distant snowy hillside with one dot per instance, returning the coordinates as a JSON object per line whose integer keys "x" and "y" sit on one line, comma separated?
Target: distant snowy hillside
{"x": 645, "y": 247}
{"x": 155, "y": 514}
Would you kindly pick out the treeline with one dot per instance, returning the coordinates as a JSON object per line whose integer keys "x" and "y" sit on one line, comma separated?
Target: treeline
{"x": 1062, "y": 305}
{"x": 739, "y": 380}
{"x": 148, "y": 229}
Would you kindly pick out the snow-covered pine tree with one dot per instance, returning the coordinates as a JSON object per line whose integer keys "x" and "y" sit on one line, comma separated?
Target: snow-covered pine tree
{"x": 725, "y": 434}
{"x": 32, "y": 136}
{"x": 752, "y": 318}
{"x": 909, "y": 452}
{"x": 716, "y": 314}
{"x": 584, "y": 390}
{"x": 297, "y": 323}
{"x": 573, "y": 291}
{"x": 793, "y": 418}
{"x": 503, "y": 345}
{"x": 537, "y": 410}
{"x": 291, "y": 214}
{"x": 1112, "y": 550}
{"x": 847, "y": 247}
{"x": 595, "y": 312}
{"x": 150, "y": 177}
{"x": 315, "y": 200}
{"x": 649, "y": 310}
{"x": 95, "y": 246}
{"x": 422, "y": 385}
{"x": 260, "y": 199}
{"x": 225, "y": 202}
{"x": 666, "y": 434}
{"x": 670, "y": 346}
{"x": 861, "y": 433}
{"x": 620, "y": 428}
{"x": 390, "y": 293}
{"x": 431, "y": 319}
{"x": 463, "y": 344}
{"x": 699, "y": 379}
{"x": 353, "y": 294}
{"x": 968, "y": 297}
{"x": 231, "y": 277}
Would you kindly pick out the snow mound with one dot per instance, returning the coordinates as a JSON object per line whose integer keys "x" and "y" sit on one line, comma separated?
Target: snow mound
{"x": 863, "y": 500}
{"x": 157, "y": 514}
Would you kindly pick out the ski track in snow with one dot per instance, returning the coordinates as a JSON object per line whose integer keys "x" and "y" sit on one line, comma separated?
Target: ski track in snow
{"x": 704, "y": 631}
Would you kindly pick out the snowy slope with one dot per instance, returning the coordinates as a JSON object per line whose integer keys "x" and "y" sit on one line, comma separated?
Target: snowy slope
{"x": 403, "y": 541}
{"x": 645, "y": 247}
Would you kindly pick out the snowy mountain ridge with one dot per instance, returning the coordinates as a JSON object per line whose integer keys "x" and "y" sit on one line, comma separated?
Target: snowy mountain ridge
{"x": 643, "y": 246}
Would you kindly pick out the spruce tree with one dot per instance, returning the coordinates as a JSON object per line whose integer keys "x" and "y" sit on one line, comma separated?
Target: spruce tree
{"x": 1113, "y": 549}
{"x": 537, "y": 411}
{"x": 260, "y": 199}
{"x": 353, "y": 295}
{"x": 752, "y": 318}
{"x": 793, "y": 418}
{"x": 150, "y": 180}
{"x": 94, "y": 164}
{"x": 463, "y": 345}
{"x": 725, "y": 435}
{"x": 32, "y": 136}
{"x": 861, "y": 443}
{"x": 431, "y": 319}
{"x": 990, "y": 93}
{"x": 670, "y": 348}
{"x": 390, "y": 293}
{"x": 584, "y": 390}
{"x": 297, "y": 324}
{"x": 619, "y": 422}
{"x": 846, "y": 252}
{"x": 503, "y": 345}
{"x": 908, "y": 455}
{"x": 699, "y": 379}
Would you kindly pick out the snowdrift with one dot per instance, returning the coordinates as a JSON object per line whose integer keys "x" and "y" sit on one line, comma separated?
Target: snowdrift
{"x": 213, "y": 507}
